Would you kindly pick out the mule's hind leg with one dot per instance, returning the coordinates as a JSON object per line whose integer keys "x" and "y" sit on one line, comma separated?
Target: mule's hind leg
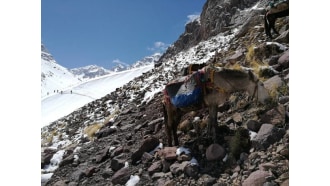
{"x": 267, "y": 26}
{"x": 169, "y": 135}
{"x": 272, "y": 19}
{"x": 167, "y": 118}
{"x": 177, "y": 117}
{"x": 175, "y": 136}
{"x": 213, "y": 121}
{"x": 273, "y": 27}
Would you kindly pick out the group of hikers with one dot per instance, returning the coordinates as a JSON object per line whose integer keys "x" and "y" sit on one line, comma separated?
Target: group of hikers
{"x": 61, "y": 92}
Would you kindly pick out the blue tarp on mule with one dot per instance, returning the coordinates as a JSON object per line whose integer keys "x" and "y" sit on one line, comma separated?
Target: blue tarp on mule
{"x": 186, "y": 91}
{"x": 185, "y": 100}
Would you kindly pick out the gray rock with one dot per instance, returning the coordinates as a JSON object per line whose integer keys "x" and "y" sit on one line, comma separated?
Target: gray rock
{"x": 77, "y": 175}
{"x": 178, "y": 168}
{"x": 148, "y": 145}
{"x": 117, "y": 164}
{"x": 273, "y": 83}
{"x": 121, "y": 176}
{"x": 215, "y": 152}
{"x": 275, "y": 116}
{"x": 257, "y": 178}
{"x": 61, "y": 183}
{"x": 146, "y": 157}
{"x": 284, "y": 60}
{"x": 253, "y": 125}
{"x": 267, "y": 135}
{"x": 191, "y": 171}
{"x": 155, "y": 167}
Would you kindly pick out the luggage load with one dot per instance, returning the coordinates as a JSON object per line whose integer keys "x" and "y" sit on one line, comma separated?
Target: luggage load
{"x": 186, "y": 91}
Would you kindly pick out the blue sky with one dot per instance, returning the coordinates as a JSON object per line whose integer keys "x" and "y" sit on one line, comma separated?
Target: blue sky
{"x": 84, "y": 32}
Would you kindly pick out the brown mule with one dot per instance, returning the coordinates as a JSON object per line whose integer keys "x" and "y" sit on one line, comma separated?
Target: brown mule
{"x": 218, "y": 84}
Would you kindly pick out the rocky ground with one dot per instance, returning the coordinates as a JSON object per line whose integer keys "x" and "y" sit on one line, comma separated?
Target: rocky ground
{"x": 253, "y": 144}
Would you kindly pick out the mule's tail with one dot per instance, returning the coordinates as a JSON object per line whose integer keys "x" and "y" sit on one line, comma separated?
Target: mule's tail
{"x": 165, "y": 114}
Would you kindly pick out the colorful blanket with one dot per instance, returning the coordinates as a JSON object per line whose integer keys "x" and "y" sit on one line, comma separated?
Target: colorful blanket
{"x": 186, "y": 91}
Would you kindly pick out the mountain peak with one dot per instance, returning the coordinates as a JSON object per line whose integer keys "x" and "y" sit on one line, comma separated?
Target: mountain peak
{"x": 45, "y": 55}
{"x": 90, "y": 71}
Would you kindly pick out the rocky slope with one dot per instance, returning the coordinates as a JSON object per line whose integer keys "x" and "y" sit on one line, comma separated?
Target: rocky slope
{"x": 218, "y": 16}
{"x": 120, "y": 138}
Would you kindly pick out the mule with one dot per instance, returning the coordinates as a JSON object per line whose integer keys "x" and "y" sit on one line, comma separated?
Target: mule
{"x": 217, "y": 85}
{"x": 278, "y": 11}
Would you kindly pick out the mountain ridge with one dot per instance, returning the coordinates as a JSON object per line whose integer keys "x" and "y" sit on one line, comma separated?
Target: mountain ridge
{"x": 56, "y": 78}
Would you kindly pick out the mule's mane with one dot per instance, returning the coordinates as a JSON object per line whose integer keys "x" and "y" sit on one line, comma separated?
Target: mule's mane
{"x": 233, "y": 73}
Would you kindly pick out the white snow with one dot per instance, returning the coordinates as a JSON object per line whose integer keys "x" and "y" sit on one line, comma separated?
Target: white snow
{"x": 181, "y": 150}
{"x": 58, "y": 105}
{"x": 133, "y": 180}
{"x": 55, "y": 161}
{"x": 193, "y": 161}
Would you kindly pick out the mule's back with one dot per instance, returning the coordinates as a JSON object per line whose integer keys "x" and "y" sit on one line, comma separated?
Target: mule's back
{"x": 185, "y": 91}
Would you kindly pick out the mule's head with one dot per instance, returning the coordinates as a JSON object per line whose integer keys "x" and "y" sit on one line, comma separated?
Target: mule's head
{"x": 257, "y": 89}
{"x": 262, "y": 94}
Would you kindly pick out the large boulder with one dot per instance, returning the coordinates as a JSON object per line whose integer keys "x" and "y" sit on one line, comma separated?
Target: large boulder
{"x": 121, "y": 176}
{"x": 215, "y": 152}
{"x": 257, "y": 178}
{"x": 148, "y": 145}
{"x": 267, "y": 135}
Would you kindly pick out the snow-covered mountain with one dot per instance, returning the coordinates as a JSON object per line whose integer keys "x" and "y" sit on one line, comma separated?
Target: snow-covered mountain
{"x": 93, "y": 71}
{"x": 120, "y": 67}
{"x": 56, "y": 106}
{"x": 54, "y": 77}
{"x": 147, "y": 60}
{"x": 90, "y": 71}
{"x": 81, "y": 85}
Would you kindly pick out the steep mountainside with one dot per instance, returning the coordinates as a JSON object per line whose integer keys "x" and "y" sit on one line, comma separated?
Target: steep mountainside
{"x": 54, "y": 77}
{"x": 120, "y": 139}
{"x": 218, "y": 16}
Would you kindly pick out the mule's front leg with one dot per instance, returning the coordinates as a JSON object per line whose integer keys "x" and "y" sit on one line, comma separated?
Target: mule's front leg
{"x": 169, "y": 134}
{"x": 177, "y": 116}
{"x": 175, "y": 136}
{"x": 213, "y": 121}
{"x": 168, "y": 117}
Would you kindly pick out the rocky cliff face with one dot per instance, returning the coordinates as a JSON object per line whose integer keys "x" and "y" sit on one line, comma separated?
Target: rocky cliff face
{"x": 218, "y": 16}
{"x": 118, "y": 140}
{"x": 45, "y": 55}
